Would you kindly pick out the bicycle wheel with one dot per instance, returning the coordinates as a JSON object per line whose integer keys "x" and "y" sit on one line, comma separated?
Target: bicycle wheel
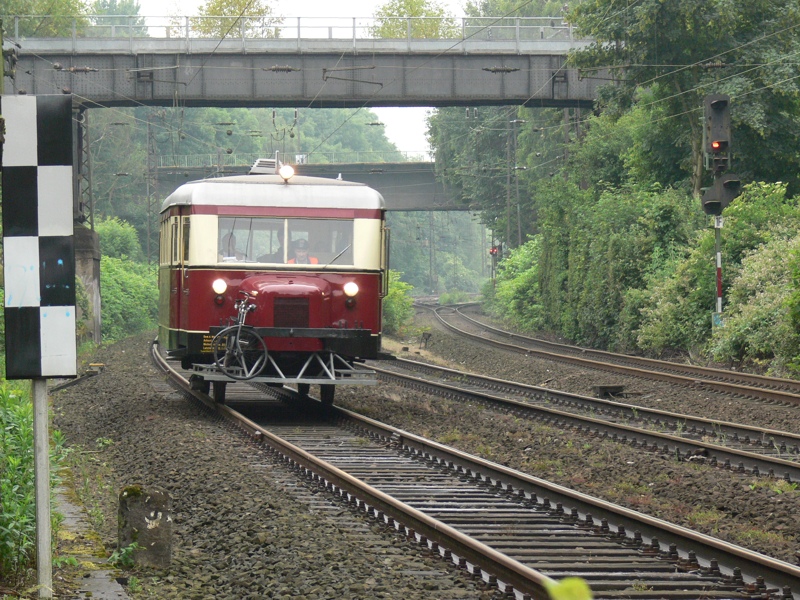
{"x": 239, "y": 353}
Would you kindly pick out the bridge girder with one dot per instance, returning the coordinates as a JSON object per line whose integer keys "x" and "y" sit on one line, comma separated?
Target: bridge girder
{"x": 307, "y": 79}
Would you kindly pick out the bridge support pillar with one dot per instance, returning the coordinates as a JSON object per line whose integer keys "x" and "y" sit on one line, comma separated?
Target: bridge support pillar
{"x": 87, "y": 270}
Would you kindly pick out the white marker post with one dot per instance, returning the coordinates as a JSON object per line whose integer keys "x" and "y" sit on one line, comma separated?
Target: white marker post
{"x": 716, "y": 319}
{"x": 41, "y": 457}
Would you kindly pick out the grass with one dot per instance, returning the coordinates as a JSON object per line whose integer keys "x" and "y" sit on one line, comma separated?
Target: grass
{"x": 705, "y": 518}
{"x": 17, "y": 497}
{"x": 751, "y": 536}
{"x": 450, "y": 437}
{"x": 779, "y": 486}
{"x": 91, "y": 485}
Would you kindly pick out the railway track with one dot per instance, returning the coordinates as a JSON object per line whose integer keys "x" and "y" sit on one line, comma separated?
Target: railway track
{"x": 514, "y": 531}
{"x": 785, "y": 391}
{"x": 746, "y": 449}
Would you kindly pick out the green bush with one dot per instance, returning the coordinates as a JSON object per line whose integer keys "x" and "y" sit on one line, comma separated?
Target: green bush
{"x": 456, "y": 297}
{"x": 129, "y": 297}
{"x": 17, "y": 493}
{"x": 118, "y": 239}
{"x": 17, "y": 498}
{"x": 398, "y": 305}
{"x": 678, "y": 314}
{"x": 758, "y": 327}
{"x": 515, "y": 297}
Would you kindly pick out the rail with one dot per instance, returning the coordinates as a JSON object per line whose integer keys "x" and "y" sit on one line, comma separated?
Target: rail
{"x": 645, "y": 368}
{"x": 573, "y": 510}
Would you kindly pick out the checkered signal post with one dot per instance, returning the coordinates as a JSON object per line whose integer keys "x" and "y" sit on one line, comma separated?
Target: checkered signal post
{"x": 39, "y": 252}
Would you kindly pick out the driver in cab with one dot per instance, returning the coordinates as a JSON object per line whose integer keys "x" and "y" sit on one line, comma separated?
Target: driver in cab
{"x": 301, "y": 256}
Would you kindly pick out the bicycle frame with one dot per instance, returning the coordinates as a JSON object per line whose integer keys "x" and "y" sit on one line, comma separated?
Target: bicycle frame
{"x": 245, "y": 351}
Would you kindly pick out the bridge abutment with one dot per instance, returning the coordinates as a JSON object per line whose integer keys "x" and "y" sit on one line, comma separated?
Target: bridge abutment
{"x": 87, "y": 269}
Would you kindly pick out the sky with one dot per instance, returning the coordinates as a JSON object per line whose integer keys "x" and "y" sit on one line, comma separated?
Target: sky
{"x": 405, "y": 126}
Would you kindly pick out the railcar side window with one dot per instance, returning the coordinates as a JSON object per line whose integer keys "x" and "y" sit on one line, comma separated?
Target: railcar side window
{"x": 174, "y": 258}
{"x": 163, "y": 246}
{"x": 261, "y": 239}
{"x": 185, "y": 255}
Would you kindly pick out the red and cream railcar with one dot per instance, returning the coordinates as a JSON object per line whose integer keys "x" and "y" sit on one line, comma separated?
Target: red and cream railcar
{"x": 247, "y": 233}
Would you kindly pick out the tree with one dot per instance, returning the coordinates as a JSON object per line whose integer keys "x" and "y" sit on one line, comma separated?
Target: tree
{"x": 124, "y": 141}
{"x": 681, "y": 300}
{"x": 118, "y": 239}
{"x": 50, "y": 18}
{"x": 119, "y": 15}
{"x": 236, "y": 18}
{"x": 417, "y": 19}
{"x": 512, "y": 8}
{"x": 681, "y": 51}
{"x": 438, "y": 251}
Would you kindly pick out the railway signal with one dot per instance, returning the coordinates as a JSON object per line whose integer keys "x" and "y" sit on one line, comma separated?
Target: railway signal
{"x": 721, "y": 193}
{"x": 717, "y": 146}
{"x": 717, "y": 152}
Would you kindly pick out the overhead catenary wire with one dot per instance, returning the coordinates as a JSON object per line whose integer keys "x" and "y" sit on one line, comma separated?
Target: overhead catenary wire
{"x": 510, "y": 111}
{"x": 505, "y": 16}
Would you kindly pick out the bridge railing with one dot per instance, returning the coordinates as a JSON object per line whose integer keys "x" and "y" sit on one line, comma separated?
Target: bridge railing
{"x": 189, "y": 161}
{"x": 488, "y": 29}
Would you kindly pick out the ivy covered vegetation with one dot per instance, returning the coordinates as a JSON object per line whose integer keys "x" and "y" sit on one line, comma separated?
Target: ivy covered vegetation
{"x": 604, "y": 240}
{"x": 622, "y": 288}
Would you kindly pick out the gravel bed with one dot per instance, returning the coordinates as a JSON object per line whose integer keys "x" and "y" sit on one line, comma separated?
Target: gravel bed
{"x": 241, "y": 527}
{"x": 692, "y": 400}
{"x": 242, "y": 530}
{"x": 758, "y": 513}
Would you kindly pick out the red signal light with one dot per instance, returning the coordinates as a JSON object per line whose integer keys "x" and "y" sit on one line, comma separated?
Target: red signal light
{"x": 719, "y": 146}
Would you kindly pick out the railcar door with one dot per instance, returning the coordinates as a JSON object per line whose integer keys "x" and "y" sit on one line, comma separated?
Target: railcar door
{"x": 178, "y": 288}
{"x": 182, "y": 267}
{"x": 171, "y": 231}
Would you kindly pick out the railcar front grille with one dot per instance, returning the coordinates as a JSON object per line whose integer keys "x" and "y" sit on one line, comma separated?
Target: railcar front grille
{"x": 291, "y": 312}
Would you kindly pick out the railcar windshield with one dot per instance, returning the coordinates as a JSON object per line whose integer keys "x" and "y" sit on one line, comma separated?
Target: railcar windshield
{"x": 285, "y": 241}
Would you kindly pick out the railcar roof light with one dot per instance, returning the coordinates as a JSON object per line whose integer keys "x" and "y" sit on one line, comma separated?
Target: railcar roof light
{"x": 286, "y": 171}
{"x": 219, "y": 286}
{"x": 350, "y": 288}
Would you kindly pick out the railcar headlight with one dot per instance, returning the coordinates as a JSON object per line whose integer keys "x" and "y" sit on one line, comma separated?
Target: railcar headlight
{"x": 286, "y": 171}
{"x": 219, "y": 286}
{"x": 350, "y": 288}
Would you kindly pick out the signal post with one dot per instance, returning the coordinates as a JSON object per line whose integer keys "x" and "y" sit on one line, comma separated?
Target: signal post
{"x": 717, "y": 152}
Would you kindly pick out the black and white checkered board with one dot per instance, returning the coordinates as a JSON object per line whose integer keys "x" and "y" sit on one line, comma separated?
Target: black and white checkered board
{"x": 39, "y": 253}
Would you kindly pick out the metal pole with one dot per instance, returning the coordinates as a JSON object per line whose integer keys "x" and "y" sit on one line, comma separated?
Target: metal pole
{"x": 2, "y": 61}
{"x": 149, "y": 191}
{"x": 508, "y": 183}
{"x": 483, "y": 245}
{"x": 431, "y": 250}
{"x": 494, "y": 262}
{"x": 516, "y": 185}
{"x": 717, "y": 246}
{"x": 41, "y": 457}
